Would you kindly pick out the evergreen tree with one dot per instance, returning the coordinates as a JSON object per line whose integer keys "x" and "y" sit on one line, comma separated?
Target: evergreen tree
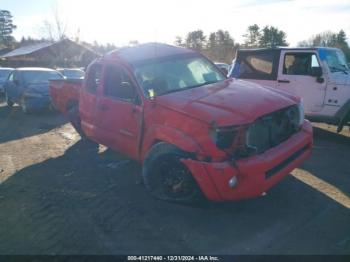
{"x": 6, "y": 28}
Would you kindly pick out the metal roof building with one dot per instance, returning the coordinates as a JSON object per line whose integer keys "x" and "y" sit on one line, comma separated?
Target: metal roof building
{"x": 64, "y": 53}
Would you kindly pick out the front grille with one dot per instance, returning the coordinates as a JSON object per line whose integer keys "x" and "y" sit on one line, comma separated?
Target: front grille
{"x": 270, "y": 130}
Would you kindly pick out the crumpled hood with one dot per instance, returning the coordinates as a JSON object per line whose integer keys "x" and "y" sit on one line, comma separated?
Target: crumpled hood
{"x": 42, "y": 88}
{"x": 231, "y": 102}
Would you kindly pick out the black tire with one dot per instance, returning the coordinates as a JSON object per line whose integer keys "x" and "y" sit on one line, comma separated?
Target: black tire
{"x": 167, "y": 178}
{"x": 8, "y": 101}
{"x": 74, "y": 119}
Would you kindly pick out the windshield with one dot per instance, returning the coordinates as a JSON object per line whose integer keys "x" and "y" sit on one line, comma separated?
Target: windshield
{"x": 73, "y": 73}
{"x": 176, "y": 74}
{"x": 37, "y": 77}
{"x": 336, "y": 61}
{"x": 4, "y": 74}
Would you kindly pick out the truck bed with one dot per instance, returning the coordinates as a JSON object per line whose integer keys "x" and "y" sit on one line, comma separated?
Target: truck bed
{"x": 65, "y": 93}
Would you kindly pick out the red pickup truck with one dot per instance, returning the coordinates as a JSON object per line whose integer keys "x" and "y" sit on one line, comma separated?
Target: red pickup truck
{"x": 193, "y": 130}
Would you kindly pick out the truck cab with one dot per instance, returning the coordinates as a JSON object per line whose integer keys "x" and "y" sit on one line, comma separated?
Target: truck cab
{"x": 194, "y": 131}
{"x": 320, "y": 76}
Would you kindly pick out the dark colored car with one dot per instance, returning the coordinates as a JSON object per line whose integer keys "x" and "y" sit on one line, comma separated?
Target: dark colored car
{"x": 4, "y": 73}
{"x": 72, "y": 73}
{"x": 225, "y": 68}
{"x": 29, "y": 87}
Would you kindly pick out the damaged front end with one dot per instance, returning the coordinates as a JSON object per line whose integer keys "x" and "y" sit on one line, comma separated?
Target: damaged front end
{"x": 264, "y": 133}
{"x": 252, "y": 151}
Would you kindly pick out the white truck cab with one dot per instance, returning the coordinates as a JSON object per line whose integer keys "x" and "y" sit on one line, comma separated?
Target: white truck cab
{"x": 321, "y": 76}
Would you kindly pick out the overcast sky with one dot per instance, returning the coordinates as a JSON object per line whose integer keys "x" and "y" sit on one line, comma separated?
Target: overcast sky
{"x": 118, "y": 22}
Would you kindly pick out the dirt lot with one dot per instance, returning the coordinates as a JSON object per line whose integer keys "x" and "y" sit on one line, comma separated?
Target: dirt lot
{"x": 59, "y": 195}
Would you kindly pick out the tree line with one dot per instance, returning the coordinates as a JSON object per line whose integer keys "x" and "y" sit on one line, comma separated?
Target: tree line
{"x": 329, "y": 39}
{"x": 218, "y": 46}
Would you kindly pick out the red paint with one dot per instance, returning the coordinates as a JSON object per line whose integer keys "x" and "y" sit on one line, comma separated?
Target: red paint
{"x": 64, "y": 92}
{"x": 184, "y": 119}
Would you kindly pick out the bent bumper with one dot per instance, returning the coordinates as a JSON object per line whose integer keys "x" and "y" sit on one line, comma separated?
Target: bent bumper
{"x": 255, "y": 174}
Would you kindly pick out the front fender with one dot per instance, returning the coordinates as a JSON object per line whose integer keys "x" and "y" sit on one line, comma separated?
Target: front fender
{"x": 170, "y": 135}
{"x": 343, "y": 111}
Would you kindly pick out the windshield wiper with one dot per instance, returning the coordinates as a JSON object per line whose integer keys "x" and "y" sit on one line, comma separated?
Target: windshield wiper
{"x": 186, "y": 88}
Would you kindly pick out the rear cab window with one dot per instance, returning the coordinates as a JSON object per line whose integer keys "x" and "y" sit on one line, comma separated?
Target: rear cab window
{"x": 93, "y": 78}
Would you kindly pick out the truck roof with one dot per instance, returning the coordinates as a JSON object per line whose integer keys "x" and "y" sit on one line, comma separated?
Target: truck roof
{"x": 34, "y": 69}
{"x": 147, "y": 51}
{"x": 285, "y": 48}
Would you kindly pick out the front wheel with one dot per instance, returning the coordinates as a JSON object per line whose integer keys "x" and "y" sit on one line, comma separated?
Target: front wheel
{"x": 166, "y": 177}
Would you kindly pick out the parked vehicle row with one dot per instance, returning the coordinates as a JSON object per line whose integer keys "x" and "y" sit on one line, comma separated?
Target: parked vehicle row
{"x": 72, "y": 73}
{"x": 29, "y": 86}
{"x": 193, "y": 130}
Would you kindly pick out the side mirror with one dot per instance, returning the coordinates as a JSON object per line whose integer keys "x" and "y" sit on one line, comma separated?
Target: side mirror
{"x": 316, "y": 72}
{"x": 16, "y": 82}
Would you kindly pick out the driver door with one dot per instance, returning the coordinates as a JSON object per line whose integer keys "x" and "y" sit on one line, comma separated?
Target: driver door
{"x": 12, "y": 87}
{"x": 295, "y": 76}
{"x": 119, "y": 111}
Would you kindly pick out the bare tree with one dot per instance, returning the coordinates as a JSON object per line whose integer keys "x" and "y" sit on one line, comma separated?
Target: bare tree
{"x": 55, "y": 29}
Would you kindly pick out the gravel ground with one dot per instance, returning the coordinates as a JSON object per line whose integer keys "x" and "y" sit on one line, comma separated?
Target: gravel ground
{"x": 59, "y": 195}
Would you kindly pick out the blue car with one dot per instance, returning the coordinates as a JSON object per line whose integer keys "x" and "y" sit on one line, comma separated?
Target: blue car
{"x": 29, "y": 87}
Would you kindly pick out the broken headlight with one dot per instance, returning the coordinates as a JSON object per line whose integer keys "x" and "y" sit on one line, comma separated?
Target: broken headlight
{"x": 223, "y": 137}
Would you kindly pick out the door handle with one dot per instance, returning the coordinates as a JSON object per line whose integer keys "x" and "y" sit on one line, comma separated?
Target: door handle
{"x": 283, "y": 81}
{"x": 103, "y": 107}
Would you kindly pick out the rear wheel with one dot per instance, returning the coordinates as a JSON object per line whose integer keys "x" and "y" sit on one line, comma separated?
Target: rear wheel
{"x": 8, "y": 101}
{"x": 73, "y": 116}
{"x": 166, "y": 177}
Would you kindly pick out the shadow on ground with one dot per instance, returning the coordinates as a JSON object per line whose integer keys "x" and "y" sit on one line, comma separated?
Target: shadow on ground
{"x": 86, "y": 202}
{"x": 14, "y": 124}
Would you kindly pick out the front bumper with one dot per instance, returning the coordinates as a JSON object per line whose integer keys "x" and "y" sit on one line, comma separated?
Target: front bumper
{"x": 256, "y": 174}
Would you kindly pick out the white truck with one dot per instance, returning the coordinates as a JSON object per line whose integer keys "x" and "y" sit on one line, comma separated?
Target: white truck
{"x": 320, "y": 76}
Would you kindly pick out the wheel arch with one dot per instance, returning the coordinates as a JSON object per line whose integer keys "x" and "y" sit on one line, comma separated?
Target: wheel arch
{"x": 343, "y": 115}
{"x": 172, "y": 136}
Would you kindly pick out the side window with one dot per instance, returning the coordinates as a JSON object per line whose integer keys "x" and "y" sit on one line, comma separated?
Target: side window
{"x": 117, "y": 84}
{"x": 299, "y": 63}
{"x": 93, "y": 78}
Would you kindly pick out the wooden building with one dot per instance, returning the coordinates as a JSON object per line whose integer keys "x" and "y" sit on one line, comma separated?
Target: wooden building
{"x": 64, "y": 53}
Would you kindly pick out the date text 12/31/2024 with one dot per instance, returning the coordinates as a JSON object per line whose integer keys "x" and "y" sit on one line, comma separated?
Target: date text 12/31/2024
{"x": 173, "y": 258}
